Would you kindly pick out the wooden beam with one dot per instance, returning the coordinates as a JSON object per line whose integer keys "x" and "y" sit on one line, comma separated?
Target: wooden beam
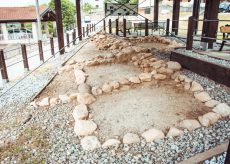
{"x": 195, "y": 13}
{"x": 60, "y": 33}
{"x": 175, "y": 16}
{"x": 156, "y": 11}
{"x": 227, "y": 159}
{"x": 191, "y": 25}
{"x": 79, "y": 26}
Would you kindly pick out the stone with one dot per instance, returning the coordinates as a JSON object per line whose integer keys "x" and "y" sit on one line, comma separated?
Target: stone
{"x": 64, "y": 99}
{"x": 107, "y": 88}
{"x": 134, "y": 80}
{"x": 114, "y": 84}
{"x": 102, "y": 36}
{"x": 211, "y": 103}
{"x": 84, "y": 88}
{"x": 202, "y": 96}
{"x": 90, "y": 143}
{"x": 54, "y": 101}
{"x": 96, "y": 91}
{"x": 144, "y": 77}
{"x": 175, "y": 75}
{"x": 181, "y": 78}
{"x": 80, "y": 76}
{"x": 124, "y": 81}
{"x": 80, "y": 112}
{"x": 111, "y": 142}
{"x": 223, "y": 109}
{"x": 154, "y": 72}
{"x": 84, "y": 127}
{"x": 209, "y": 118}
{"x": 173, "y": 132}
{"x": 174, "y": 65}
{"x": 85, "y": 98}
{"x": 73, "y": 96}
{"x": 187, "y": 79}
{"x": 189, "y": 124}
{"x": 196, "y": 87}
{"x": 44, "y": 102}
{"x": 153, "y": 134}
{"x": 131, "y": 138}
{"x": 187, "y": 86}
{"x": 159, "y": 76}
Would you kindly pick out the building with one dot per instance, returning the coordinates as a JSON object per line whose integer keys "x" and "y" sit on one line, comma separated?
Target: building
{"x": 98, "y": 4}
{"x": 13, "y": 20}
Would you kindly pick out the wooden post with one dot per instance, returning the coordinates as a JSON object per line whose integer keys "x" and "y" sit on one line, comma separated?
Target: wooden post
{"x": 87, "y": 30}
{"x": 167, "y": 27}
{"x": 190, "y": 33}
{"x": 67, "y": 39}
{"x": 90, "y": 28}
{"x": 117, "y": 26}
{"x": 3, "y": 67}
{"x": 104, "y": 25}
{"x": 124, "y": 27}
{"x": 210, "y": 27}
{"x": 195, "y": 13}
{"x": 94, "y": 27}
{"x": 79, "y": 26}
{"x": 110, "y": 26}
{"x": 74, "y": 36}
{"x": 175, "y": 17}
{"x": 146, "y": 27}
{"x": 24, "y": 57}
{"x": 227, "y": 159}
{"x": 156, "y": 10}
{"x": 83, "y": 31}
{"x": 52, "y": 46}
{"x": 40, "y": 51}
{"x": 59, "y": 26}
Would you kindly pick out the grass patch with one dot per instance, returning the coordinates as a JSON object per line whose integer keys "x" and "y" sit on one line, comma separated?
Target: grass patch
{"x": 22, "y": 150}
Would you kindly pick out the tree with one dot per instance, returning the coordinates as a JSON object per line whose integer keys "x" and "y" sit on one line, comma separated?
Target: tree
{"x": 68, "y": 11}
{"x": 87, "y": 8}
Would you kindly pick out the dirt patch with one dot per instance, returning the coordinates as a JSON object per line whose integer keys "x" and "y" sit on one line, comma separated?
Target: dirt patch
{"x": 144, "y": 107}
{"x": 107, "y": 73}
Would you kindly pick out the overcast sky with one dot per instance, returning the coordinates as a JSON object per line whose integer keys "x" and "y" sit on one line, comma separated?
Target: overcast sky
{"x": 12, "y": 3}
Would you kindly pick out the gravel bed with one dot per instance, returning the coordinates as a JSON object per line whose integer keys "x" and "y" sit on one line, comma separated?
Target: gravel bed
{"x": 220, "y": 159}
{"x": 204, "y": 57}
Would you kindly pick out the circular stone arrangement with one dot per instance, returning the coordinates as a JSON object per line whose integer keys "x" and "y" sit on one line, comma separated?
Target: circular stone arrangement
{"x": 152, "y": 68}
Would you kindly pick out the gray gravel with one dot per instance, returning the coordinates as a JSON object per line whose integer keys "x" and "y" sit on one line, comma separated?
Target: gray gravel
{"x": 220, "y": 159}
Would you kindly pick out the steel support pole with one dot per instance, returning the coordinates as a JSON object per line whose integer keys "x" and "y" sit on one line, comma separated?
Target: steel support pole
{"x": 124, "y": 27}
{"x": 79, "y": 26}
{"x": 24, "y": 57}
{"x": 191, "y": 25}
{"x": 195, "y": 13}
{"x": 74, "y": 36}
{"x": 3, "y": 67}
{"x": 60, "y": 32}
{"x": 67, "y": 39}
{"x": 156, "y": 11}
{"x": 146, "y": 27}
{"x": 52, "y": 45}
{"x": 167, "y": 27}
{"x": 175, "y": 17}
{"x": 83, "y": 31}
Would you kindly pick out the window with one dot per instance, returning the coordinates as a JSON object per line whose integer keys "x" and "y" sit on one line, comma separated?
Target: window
{"x": 147, "y": 10}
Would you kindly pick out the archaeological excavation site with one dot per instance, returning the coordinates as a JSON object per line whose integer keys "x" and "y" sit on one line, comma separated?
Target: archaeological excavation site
{"x": 120, "y": 93}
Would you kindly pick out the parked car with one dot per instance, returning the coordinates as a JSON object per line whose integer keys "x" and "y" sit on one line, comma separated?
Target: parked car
{"x": 87, "y": 19}
{"x": 19, "y": 33}
{"x": 224, "y": 7}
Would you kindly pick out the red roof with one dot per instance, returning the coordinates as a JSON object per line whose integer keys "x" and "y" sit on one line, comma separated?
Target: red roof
{"x": 20, "y": 13}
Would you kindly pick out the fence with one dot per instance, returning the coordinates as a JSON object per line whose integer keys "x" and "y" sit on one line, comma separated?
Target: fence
{"x": 32, "y": 55}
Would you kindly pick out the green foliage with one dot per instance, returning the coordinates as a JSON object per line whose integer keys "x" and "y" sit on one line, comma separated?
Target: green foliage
{"x": 68, "y": 11}
{"x": 87, "y": 8}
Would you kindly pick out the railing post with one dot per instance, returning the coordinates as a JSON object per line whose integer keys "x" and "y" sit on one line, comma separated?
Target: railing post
{"x": 110, "y": 26}
{"x": 167, "y": 27}
{"x": 52, "y": 45}
{"x": 124, "y": 27}
{"x": 3, "y": 67}
{"x": 90, "y": 29}
{"x": 74, "y": 36}
{"x": 190, "y": 33}
{"x": 117, "y": 24}
{"x": 104, "y": 25}
{"x": 67, "y": 39}
{"x": 94, "y": 27}
{"x": 24, "y": 57}
{"x": 40, "y": 51}
{"x": 146, "y": 27}
{"x": 87, "y": 30}
{"x": 83, "y": 31}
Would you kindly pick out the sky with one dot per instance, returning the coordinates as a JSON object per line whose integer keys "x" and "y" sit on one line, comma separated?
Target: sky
{"x": 17, "y": 3}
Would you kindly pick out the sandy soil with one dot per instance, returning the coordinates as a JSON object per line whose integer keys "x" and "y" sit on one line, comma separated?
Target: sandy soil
{"x": 144, "y": 107}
